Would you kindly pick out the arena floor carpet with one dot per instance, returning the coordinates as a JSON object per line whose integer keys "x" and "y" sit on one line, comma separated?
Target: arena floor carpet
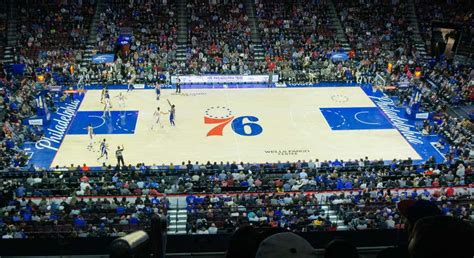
{"x": 253, "y": 125}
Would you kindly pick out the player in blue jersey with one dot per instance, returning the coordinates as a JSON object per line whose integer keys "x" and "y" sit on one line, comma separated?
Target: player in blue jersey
{"x": 158, "y": 90}
{"x": 106, "y": 94}
{"x": 172, "y": 112}
{"x": 103, "y": 150}
{"x": 102, "y": 94}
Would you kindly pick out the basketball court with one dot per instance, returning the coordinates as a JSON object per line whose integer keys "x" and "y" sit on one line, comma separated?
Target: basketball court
{"x": 253, "y": 125}
{"x": 292, "y": 124}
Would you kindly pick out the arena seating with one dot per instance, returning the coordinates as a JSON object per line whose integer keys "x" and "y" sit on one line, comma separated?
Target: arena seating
{"x": 153, "y": 51}
{"x": 220, "y": 38}
{"x": 298, "y": 40}
{"x": 305, "y": 212}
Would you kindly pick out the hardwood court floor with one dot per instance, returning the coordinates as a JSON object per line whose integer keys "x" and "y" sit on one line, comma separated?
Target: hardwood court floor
{"x": 291, "y": 126}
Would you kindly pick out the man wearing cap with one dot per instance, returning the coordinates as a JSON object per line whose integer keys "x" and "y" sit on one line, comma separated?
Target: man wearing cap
{"x": 413, "y": 210}
{"x": 285, "y": 245}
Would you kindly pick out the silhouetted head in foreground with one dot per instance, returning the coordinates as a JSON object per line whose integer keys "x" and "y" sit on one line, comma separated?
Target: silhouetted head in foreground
{"x": 441, "y": 237}
{"x": 340, "y": 249}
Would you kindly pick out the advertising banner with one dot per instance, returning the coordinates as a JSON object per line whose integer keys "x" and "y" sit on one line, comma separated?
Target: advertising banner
{"x": 203, "y": 79}
{"x": 103, "y": 58}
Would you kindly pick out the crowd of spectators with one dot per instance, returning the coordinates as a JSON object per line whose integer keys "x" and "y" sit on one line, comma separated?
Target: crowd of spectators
{"x": 3, "y": 28}
{"x": 298, "y": 45}
{"x": 305, "y": 212}
{"x": 282, "y": 180}
{"x": 443, "y": 12}
{"x": 446, "y": 87}
{"x": 219, "y": 178}
{"x": 17, "y": 102}
{"x": 298, "y": 40}
{"x": 151, "y": 54}
{"x": 219, "y": 38}
{"x": 377, "y": 209}
{"x": 78, "y": 217}
{"x": 51, "y": 39}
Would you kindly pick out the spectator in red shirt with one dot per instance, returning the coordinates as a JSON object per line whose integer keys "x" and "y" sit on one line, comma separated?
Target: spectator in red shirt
{"x": 450, "y": 192}
{"x": 85, "y": 167}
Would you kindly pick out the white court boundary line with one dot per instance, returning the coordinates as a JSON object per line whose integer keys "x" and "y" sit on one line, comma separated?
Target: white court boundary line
{"x": 94, "y": 127}
{"x": 437, "y": 150}
{"x": 363, "y": 122}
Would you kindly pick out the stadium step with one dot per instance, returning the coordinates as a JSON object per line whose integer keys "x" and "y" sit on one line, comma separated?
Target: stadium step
{"x": 177, "y": 218}
{"x": 413, "y": 22}
{"x": 342, "y": 227}
{"x": 335, "y": 24}
{"x": 182, "y": 33}
{"x": 92, "y": 39}
{"x": 179, "y": 232}
{"x": 258, "y": 50}
{"x": 11, "y": 32}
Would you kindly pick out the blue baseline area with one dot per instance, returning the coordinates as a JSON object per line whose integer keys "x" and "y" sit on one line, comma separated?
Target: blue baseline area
{"x": 423, "y": 145}
{"x": 42, "y": 152}
{"x": 356, "y": 118}
{"x": 120, "y": 122}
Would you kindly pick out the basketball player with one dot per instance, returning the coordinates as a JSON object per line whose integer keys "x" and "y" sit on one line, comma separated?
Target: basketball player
{"x": 158, "y": 90}
{"x": 103, "y": 150}
{"x": 90, "y": 132}
{"x": 102, "y": 94}
{"x": 106, "y": 94}
{"x": 178, "y": 85}
{"x": 157, "y": 116}
{"x": 121, "y": 100}
{"x": 172, "y": 113}
{"x": 131, "y": 82}
{"x": 107, "y": 107}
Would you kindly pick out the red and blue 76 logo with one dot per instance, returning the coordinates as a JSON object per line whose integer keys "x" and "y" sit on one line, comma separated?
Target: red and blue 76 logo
{"x": 222, "y": 116}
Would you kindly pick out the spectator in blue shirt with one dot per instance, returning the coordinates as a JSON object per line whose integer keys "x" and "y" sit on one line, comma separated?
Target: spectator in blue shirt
{"x": 20, "y": 191}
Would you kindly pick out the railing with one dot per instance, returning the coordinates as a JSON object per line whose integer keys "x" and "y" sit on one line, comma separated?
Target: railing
{"x": 262, "y": 168}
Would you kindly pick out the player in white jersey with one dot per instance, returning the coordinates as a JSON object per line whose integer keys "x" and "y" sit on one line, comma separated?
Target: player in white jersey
{"x": 90, "y": 133}
{"x": 157, "y": 116}
{"x": 103, "y": 150}
{"x": 121, "y": 99}
{"x": 107, "y": 107}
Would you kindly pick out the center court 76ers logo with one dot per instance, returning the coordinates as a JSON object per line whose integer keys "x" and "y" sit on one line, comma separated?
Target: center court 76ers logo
{"x": 222, "y": 116}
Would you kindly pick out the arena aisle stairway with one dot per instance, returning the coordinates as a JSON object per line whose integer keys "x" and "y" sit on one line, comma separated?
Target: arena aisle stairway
{"x": 12, "y": 35}
{"x": 183, "y": 17}
{"x": 416, "y": 36}
{"x": 336, "y": 24}
{"x": 177, "y": 216}
{"x": 465, "y": 48}
{"x": 92, "y": 40}
{"x": 333, "y": 217}
{"x": 258, "y": 51}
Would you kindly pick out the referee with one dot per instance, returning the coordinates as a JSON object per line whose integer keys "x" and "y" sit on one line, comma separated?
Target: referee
{"x": 178, "y": 85}
{"x": 119, "y": 155}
